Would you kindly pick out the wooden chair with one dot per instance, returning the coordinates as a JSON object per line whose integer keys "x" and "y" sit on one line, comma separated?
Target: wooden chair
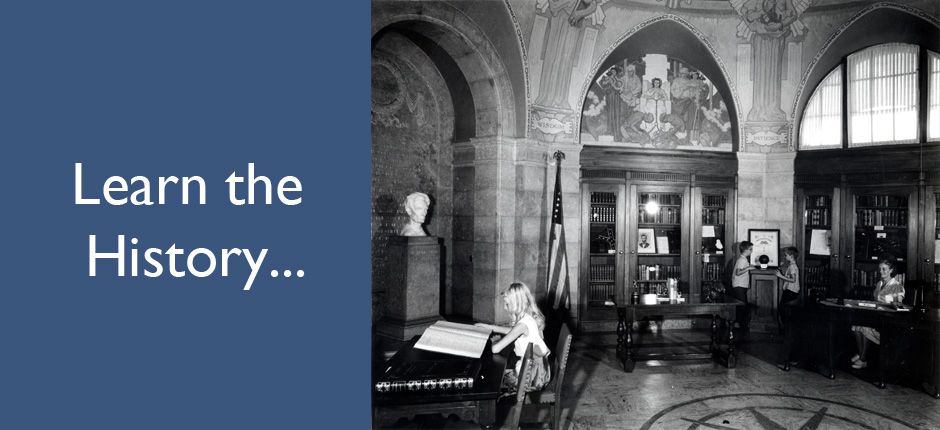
{"x": 551, "y": 394}
{"x": 515, "y": 411}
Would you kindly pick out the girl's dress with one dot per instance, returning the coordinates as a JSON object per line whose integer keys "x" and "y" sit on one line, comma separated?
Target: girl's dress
{"x": 541, "y": 373}
{"x": 893, "y": 287}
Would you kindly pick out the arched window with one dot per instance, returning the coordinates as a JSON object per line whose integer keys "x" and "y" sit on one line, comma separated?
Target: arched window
{"x": 933, "y": 83}
{"x": 883, "y": 100}
{"x": 883, "y": 95}
{"x": 822, "y": 122}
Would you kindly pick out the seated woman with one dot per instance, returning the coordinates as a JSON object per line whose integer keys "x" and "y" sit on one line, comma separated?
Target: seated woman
{"x": 887, "y": 290}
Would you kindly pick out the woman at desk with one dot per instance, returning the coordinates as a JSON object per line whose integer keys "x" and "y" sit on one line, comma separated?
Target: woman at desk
{"x": 888, "y": 290}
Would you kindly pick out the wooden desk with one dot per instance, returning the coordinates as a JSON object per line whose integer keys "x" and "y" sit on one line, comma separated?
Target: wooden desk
{"x": 890, "y": 323}
{"x": 628, "y": 314}
{"x": 476, "y": 404}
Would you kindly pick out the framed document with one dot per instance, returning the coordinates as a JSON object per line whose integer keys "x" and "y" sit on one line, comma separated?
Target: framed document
{"x": 646, "y": 241}
{"x": 819, "y": 242}
{"x": 766, "y": 243}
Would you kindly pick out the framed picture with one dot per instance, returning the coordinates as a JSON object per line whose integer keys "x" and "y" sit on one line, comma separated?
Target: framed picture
{"x": 766, "y": 243}
{"x": 646, "y": 241}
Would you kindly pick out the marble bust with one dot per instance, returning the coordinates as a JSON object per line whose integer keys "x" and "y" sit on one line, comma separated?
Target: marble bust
{"x": 416, "y": 205}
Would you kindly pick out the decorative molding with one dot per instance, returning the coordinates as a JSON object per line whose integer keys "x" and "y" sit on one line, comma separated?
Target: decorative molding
{"x": 525, "y": 60}
{"x": 603, "y": 174}
{"x": 817, "y": 179}
{"x": 663, "y": 177}
{"x": 835, "y": 35}
{"x": 481, "y": 58}
{"x": 617, "y": 42}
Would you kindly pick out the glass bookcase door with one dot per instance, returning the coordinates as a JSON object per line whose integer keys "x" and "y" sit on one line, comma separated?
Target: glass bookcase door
{"x": 659, "y": 241}
{"x": 604, "y": 253}
{"x": 820, "y": 242}
{"x": 882, "y": 230}
{"x": 603, "y": 262}
{"x": 714, "y": 244}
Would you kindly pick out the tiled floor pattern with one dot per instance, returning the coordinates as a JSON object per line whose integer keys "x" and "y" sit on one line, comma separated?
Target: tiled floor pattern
{"x": 702, "y": 394}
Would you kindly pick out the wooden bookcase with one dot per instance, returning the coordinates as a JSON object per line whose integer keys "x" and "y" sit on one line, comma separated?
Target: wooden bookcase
{"x": 870, "y": 213}
{"x": 682, "y": 201}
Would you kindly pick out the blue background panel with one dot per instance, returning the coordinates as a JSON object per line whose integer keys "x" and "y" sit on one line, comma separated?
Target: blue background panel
{"x": 184, "y": 89}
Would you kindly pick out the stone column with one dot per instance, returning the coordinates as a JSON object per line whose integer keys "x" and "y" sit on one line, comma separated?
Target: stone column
{"x": 414, "y": 286}
{"x": 494, "y": 209}
{"x": 767, "y": 24}
{"x": 765, "y": 194}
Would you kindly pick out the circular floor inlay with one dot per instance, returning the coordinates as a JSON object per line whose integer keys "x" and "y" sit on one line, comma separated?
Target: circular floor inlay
{"x": 770, "y": 411}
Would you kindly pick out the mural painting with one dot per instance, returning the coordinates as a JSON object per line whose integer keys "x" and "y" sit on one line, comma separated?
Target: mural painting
{"x": 655, "y": 102}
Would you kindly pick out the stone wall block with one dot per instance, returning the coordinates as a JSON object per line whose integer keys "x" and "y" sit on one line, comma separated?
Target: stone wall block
{"x": 485, "y": 201}
{"x": 485, "y": 229}
{"x": 750, "y": 186}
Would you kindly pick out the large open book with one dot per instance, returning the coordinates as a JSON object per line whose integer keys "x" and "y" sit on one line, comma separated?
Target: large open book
{"x": 456, "y": 339}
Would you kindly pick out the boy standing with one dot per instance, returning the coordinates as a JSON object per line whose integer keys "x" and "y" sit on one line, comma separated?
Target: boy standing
{"x": 741, "y": 281}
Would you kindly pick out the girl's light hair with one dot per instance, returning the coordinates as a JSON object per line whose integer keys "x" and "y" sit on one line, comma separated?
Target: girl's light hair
{"x": 521, "y": 302}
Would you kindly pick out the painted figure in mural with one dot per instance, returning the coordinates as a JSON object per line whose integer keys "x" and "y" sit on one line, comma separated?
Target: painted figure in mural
{"x": 672, "y": 132}
{"x": 772, "y": 15}
{"x": 416, "y": 205}
{"x": 632, "y": 87}
{"x": 595, "y": 115}
{"x": 561, "y": 48}
{"x": 631, "y": 128}
{"x": 686, "y": 95}
{"x": 612, "y": 83}
{"x": 654, "y": 101}
{"x": 717, "y": 125}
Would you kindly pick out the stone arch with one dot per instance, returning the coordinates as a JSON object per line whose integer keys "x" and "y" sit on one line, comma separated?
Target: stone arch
{"x": 873, "y": 25}
{"x": 494, "y": 111}
{"x": 707, "y": 60}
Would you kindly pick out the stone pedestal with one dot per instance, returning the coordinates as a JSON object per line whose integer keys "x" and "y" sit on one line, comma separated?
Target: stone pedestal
{"x": 413, "y": 298}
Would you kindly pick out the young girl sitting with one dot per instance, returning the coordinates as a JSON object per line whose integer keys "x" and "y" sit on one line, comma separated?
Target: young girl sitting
{"x": 527, "y": 324}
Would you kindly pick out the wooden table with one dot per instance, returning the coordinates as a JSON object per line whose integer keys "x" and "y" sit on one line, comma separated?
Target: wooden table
{"x": 923, "y": 326}
{"x": 628, "y": 314}
{"x": 476, "y": 404}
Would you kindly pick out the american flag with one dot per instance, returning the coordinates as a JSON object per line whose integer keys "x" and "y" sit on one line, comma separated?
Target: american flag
{"x": 559, "y": 289}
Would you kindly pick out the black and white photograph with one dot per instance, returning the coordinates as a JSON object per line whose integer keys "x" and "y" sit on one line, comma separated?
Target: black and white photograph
{"x": 610, "y": 214}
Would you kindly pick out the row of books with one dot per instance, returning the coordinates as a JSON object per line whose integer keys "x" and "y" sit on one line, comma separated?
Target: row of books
{"x": 816, "y": 217}
{"x": 663, "y": 216}
{"x": 658, "y": 272}
{"x": 714, "y": 201}
{"x": 659, "y": 288}
{"x": 885, "y": 217}
{"x": 662, "y": 199}
{"x": 712, "y": 271}
{"x": 865, "y": 279}
{"x": 600, "y": 292}
{"x": 816, "y": 275}
{"x": 881, "y": 201}
{"x": 603, "y": 214}
{"x": 818, "y": 201}
{"x": 713, "y": 216}
{"x": 604, "y": 272}
{"x": 610, "y": 198}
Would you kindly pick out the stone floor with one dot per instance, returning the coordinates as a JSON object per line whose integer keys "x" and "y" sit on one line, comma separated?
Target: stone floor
{"x": 690, "y": 394}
